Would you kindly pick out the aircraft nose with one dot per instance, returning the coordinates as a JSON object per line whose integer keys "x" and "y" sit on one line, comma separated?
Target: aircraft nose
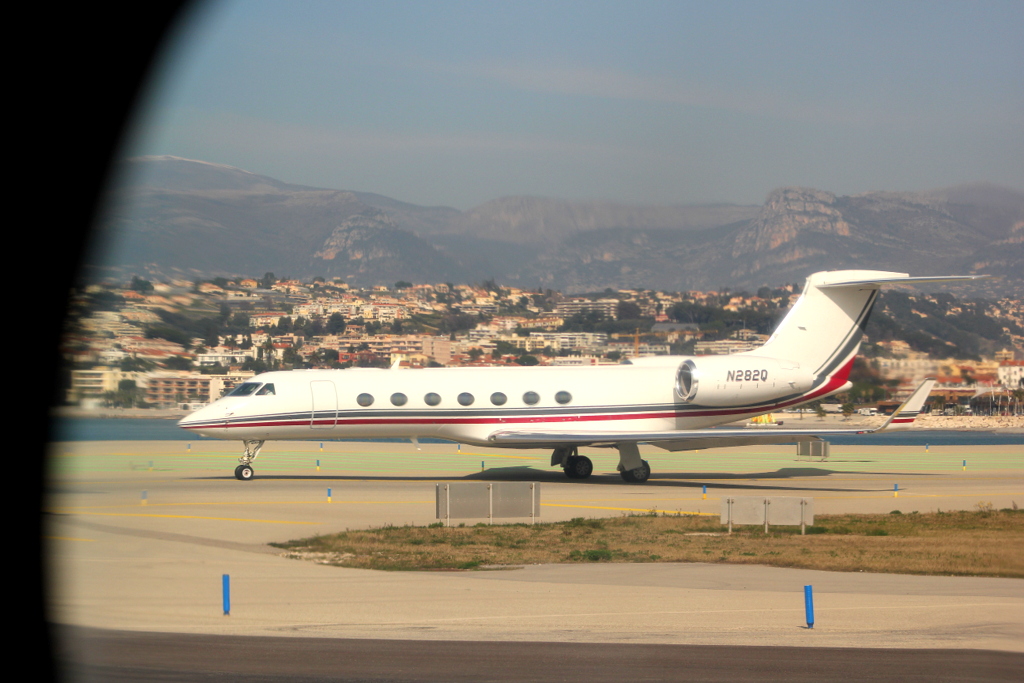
{"x": 201, "y": 416}
{"x": 188, "y": 420}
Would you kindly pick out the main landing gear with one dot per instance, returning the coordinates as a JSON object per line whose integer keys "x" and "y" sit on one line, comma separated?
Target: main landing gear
{"x": 244, "y": 471}
{"x": 637, "y": 475}
{"x": 574, "y": 465}
{"x": 631, "y": 468}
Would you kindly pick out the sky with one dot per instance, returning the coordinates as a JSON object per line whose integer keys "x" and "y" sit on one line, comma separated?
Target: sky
{"x": 457, "y": 103}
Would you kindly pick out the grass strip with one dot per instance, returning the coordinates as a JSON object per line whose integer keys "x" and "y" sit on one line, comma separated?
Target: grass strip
{"x": 982, "y": 542}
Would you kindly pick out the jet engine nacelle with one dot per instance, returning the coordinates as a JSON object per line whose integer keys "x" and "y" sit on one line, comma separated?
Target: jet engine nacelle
{"x": 720, "y": 381}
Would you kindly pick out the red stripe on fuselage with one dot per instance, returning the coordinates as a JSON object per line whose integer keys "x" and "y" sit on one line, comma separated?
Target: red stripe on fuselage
{"x": 834, "y": 382}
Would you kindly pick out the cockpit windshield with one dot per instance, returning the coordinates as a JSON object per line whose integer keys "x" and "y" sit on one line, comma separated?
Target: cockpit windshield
{"x": 246, "y": 389}
{"x": 254, "y": 389}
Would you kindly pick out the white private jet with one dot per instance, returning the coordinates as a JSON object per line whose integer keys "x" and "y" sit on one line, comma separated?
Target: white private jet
{"x": 666, "y": 401}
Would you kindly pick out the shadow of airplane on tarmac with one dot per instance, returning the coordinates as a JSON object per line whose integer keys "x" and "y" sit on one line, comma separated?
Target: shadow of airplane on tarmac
{"x": 660, "y": 479}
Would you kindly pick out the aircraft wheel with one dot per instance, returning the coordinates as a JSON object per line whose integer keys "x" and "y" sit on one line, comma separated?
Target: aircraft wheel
{"x": 243, "y": 472}
{"x": 570, "y": 467}
{"x": 638, "y": 475}
{"x": 579, "y": 467}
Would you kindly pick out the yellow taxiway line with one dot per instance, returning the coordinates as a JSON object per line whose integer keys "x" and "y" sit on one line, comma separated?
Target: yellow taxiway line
{"x": 218, "y": 519}
{"x": 648, "y": 510}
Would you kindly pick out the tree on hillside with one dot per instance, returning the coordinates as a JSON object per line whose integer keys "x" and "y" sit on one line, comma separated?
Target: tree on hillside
{"x": 103, "y": 300}
{"x": 136, "y": 364}
{"x": 335, "y": 324}
{"x": 266, "y": 353}
{"x": 178, "y": 363}
{"x": 211, "y": 335}
{"x": 255, "y": 365}
{"x": 291, "y": 357}
{"x": 284, "y": 326}
{"x": 215, "y": 369}
{"x": 628, "y": 310}
{"x": 327, "y": 356}
{"x": 140, "y": 285}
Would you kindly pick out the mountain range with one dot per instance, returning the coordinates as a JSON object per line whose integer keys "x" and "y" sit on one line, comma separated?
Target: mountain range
{"x": 169, "y": 216}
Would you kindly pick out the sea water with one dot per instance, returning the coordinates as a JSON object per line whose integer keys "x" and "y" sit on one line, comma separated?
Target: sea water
{"x": 148, "y": 429}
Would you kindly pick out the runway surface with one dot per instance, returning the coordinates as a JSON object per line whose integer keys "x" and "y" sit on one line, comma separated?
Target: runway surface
{"x": 111, "y": 656}
{"x": 140, "y": 533}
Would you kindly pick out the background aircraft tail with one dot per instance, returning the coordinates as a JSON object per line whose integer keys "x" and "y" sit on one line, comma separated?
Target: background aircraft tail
{"x": 904, "y": 416}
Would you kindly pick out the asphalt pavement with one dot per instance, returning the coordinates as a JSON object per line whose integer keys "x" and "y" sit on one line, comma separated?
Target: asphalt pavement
{"x": 139, "y": 535}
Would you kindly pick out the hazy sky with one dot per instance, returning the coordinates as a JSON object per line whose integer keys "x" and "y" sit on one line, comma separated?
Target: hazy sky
{"x": 456, "y": 103}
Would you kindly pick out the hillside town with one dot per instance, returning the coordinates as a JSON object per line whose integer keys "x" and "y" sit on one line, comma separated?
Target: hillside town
{"x": 182, "y": 344}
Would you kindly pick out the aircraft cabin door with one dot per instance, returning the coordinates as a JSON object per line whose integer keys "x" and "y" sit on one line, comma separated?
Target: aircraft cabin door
{"x": 324, "y": 413}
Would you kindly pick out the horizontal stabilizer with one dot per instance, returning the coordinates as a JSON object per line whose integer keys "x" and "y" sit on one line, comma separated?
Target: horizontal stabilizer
{"x": 901, "y": 280}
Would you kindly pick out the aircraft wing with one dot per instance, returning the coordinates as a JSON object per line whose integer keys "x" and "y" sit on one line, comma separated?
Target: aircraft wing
{"x": 698, "y": 439}
{"x": 676, "y": 440}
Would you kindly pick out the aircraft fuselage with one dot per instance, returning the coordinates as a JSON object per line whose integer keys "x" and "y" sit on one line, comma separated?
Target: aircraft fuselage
{"x": 468, "y": 404}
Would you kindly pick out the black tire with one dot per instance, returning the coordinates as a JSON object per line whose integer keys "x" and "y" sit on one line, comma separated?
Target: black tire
{"x": 245, "y": 472}
{"x": 579, "y": 467}
{"x": 638, "y": 475}
{"x": 238, "y": 472}
{"x": 570, "y": 467}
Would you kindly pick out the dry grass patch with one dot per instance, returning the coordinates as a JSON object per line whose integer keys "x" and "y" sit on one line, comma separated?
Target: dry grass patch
{"x": 977, "y": 543}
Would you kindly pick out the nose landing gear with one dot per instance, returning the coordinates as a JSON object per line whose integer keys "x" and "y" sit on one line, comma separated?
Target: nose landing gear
{"x": 244, "y": 471}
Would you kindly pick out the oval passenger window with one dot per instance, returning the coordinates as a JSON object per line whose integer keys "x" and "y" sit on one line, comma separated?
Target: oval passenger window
{"x": 364, "y": 400}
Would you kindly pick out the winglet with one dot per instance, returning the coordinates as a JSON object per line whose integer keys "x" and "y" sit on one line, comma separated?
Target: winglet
{"x": 905, "y": 415}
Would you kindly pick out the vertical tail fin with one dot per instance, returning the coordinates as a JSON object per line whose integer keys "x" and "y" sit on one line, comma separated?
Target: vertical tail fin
{"x": 823, "y": 330}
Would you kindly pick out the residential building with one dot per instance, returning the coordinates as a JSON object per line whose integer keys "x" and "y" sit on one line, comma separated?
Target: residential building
{"x": 606, "y": 307}
{"x": 1011, "y": 374}
{"x": 95, "y": 382}
{"x": 723, "y": 347}
{"x": 168, "y": 389}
